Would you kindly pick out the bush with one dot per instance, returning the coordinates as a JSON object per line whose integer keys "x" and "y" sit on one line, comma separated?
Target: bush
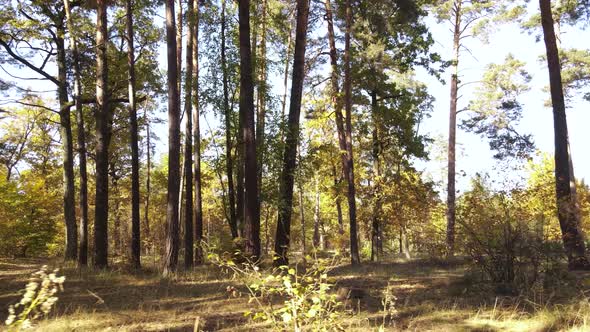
{"x": 288, "y": 298}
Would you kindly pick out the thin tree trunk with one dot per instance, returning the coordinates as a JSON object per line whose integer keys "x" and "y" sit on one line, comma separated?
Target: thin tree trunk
{"x": 148, "y": 176}
{"x": 573, "y": 239}
{"x": 135, "y": 222}
{"x": 233, "y": 226}
{"x": 188, "y": 136}
{"x": 377, "y": 228}
{"x": 261, "y": 109}
{"x": 283, "y": 233}
{"x": 198, "y": 208}
{"x": 286, "y": 78}
{"x": 101, "y": 210}
{"x": 83, "y": 204}
{"x": 172, "y": 236}
{"x": 354, "y": 250}
{"x": 317, "y": 237}
{"x": 338, "y": 201}
{"x": 302, "y": 209}
{"x": 251, "y": 202}
{"x": 453, "y": 132}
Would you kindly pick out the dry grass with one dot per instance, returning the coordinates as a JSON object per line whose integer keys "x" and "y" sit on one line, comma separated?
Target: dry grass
{"x": 431, "y": 296}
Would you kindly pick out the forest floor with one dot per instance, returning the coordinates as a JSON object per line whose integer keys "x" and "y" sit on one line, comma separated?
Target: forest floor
{"x": 431, "y": 296}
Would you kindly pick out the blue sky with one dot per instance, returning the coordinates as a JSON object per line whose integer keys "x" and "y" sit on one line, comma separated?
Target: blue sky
{"x": 473, "y": 153}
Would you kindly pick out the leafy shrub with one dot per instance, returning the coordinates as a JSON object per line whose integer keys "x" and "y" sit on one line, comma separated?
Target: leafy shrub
{"x": 288, "y": 298}
{"x": 505, "y": 239}
{"x": 38, "y": 299}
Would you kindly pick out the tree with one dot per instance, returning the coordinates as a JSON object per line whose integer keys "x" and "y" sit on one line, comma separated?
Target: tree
{"x": 172, "y": 217}
{"x": 291, "y": 137}
{"x": 83, "y": 204}
{"x": 573, "y": 239}
{"x": 354, "y": 250}
{"x": 495, "y": 109}
{"x": 41, "y": 17}
{"x": 251, "y": 201}
{"x": 135, "y": 222}
{"x": 198, "y": 206}
{"x": 103, "y": 117}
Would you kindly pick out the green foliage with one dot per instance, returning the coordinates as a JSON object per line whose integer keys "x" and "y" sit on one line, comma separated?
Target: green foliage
{"x": 287, "y": 298}
{"x": 495, "y": 110}
{"x": 37, "y": 301}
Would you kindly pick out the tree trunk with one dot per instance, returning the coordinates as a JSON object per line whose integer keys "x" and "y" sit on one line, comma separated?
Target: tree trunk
{"x": 573, "y": 239}
{"x": 291, "y": 137}
{"x": 354, "y": 250}
{"x": 233, "y": 226}
{"x": 452, "y": 133}
{"x": 337, "y": 181}
{"x": 135, "y": 223}
{"x": 71, "y": 244}
{"x": 83, "y": 204}
{"x": 198, "y": 208}
{"x": 261, "y": 109}
{"x": 188, "y": 136}
{"x": 101, "y": 210}
{"x": 317, "y": 237}
{"x": 286, "y": 78}
{"x": 148, "y": 167}
{"x": 377, "y": 228}
{"x": 172, "y": 236}
{"x": 251, "y": 202}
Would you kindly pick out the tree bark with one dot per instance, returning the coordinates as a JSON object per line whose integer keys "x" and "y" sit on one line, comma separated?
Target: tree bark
{"x": 101, "y": 211}
{"x": 188, "y": 143}
{"x": 261, "y": 109}
{"x": 453, "y": 132}
{"x": 83, "y": 198}
{"x": 233, "y": 225}
{"x": 135, "y": 222}
{"x": 283, "y": 233}
{"x": 377, "y": 227}
{"x": 172, "y": 236}
{"x": 251, "y": 202}
{"x": 354, "y": 250}
{"x": 198, "y": 208}
{"x": 573, "y": 239}
{"x": 317, "y": 236}
{"x": 148, "y": 167}
{"x": 71, "y": 250}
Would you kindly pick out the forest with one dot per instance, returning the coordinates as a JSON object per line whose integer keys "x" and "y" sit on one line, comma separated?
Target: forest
{"x": 294, "y": 165}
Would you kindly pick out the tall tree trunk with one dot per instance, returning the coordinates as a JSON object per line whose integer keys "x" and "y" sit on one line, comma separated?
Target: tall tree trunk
{"x": 198, "y": 208}
{"x": 188, "y": 144}
{"x": 101, "y": 210}
{"x": 83, "y": 204}
{"x": 342, "y": 134}
{"x": 251, "y": 202}
{"x": 354, "y": 250}
{"x": 453, "y": 132}
{"x": 172, "y": 236}
{"x": 337, "y": 180}
{"x": 71, "y": 250}
{"x": 261, "y": 109}
{"x": 148, "y": 167}
{"x": 135, "y": 223}
{"x": 283, "y": 234}
{"x": 377, "y": 228}
{"x": 233, "y": 225}
{"x": 286, "y": 77}
{"x": 179, "y": 30}
{"x": 573, "y": 239}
